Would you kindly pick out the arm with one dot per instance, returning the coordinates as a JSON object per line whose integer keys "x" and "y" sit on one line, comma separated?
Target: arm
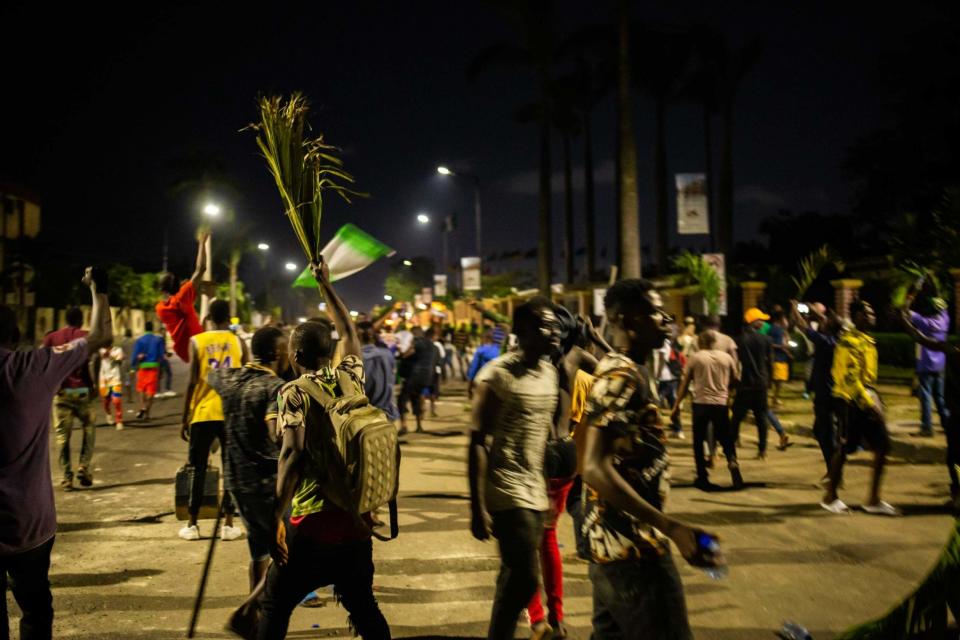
{"x": 289, "y": 468}
{"x": 201, "y": 264}
{"x": 681, "y": 394}
{"x": 484, "y": 413}
{"x": 921, "y": 338}
{"x": 384, "y": 314}
{"x": 245, "y": 352}
{"x": 188, "y": 394}
{"x": 101, "y": 324}
{"x": 338, "y": 310}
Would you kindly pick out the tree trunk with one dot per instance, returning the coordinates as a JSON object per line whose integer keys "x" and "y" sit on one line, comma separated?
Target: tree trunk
{"x": 234, "y": 264}
{"x": 590, "y": 205}
{"x": 708, "y": 168}
{"x": 568, "y": 242}
{"x": 725, "y": 219}
{"x": 544, "y": 237}
{"x": 629, "y": 231}
{"x": 660, "y": 189}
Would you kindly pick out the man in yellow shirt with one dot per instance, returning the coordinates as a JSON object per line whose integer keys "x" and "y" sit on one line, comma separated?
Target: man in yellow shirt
{"x": 203, "y": 419}
{"x": 858, "y": 409}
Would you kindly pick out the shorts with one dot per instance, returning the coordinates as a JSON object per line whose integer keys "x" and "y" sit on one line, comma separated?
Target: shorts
{"x": 147, "y": 381}
{"x": 781, "y": 371}
{"x": 257, "y": 514}
{"x": 112, "y": 391}
{"x": 854, "y": 425}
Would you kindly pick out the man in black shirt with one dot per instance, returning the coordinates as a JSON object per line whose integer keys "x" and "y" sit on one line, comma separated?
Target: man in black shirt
{"x": 756, "y": 354}
{"x": 421, "y": 360}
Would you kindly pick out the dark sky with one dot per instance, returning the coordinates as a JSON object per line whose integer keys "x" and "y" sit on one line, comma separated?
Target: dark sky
{"x": 100, "y": 107}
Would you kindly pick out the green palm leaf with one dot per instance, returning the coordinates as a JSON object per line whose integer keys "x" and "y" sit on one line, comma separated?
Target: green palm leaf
{"x": 697, "y": 271}
{"x": 812, "y": 265}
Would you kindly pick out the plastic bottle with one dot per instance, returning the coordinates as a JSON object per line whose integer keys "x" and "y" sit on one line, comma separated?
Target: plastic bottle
{"x": 719, "y": 572}
{"x": 793, "y": 631}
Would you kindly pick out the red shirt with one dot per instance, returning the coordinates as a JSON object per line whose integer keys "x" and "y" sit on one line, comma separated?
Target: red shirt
{"x": 180, "y": 318}
{"x": 79, "y": 378}
{"x": 330, "y": 526}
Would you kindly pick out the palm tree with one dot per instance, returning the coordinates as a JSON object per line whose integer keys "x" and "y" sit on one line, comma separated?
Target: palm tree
{"x": 661, "y": 64}
{"x": 535, "y": 53}
{"x": 629, "y": 201}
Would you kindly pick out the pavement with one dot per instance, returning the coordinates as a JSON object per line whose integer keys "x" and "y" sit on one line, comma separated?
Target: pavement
{"x": 119, "y": 570}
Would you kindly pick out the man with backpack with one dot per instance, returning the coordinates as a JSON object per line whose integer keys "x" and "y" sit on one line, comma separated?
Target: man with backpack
{"x": 670, "y": 363}
{"x": 327, "y": 540}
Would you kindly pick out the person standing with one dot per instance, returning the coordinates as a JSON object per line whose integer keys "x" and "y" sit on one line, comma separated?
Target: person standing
{"x": 176, "y": 310}
{"x": 781, "y": 355}
{"x": 439, "y": 356}
{"x": 148, "y": 352}
{"x": 756, "y": 355}
{"x": 711, "y": 373}
{"x": 29, "y": 381}
{"x": 669, "y": 365}
{"x": 637, "y": 592}
{"x": 322, "y": 544}
{"x": 379, "y": 368}
{"x": 859, "y": 410}
{"x": 110, "y": 362}
{"x": 486, "y": 352}
{"x": 74, "y": 401}
{"x": 461, "y": 342}
{"x": 249, "y": 397}
{"x": 928, "y": 313}
{"x": 421, "y": 361}
{"x": 516, "y": 397}
{"x": 203, "y": 416}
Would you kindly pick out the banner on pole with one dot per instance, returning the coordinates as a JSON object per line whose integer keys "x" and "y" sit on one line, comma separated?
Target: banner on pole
{"x": 471, "y": 273}
{"x": 719, "y": 263}
{"x": 440, "y": 284}
{"x": 692, "y": 214}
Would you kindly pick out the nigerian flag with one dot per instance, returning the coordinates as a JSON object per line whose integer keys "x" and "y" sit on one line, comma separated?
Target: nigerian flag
{"x": 350, "y": 251}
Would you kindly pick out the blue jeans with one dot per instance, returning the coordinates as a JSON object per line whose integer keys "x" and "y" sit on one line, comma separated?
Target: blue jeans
{"x": 641, "y": 599}
{"x": 667, "y": 389}
{"x": 931, "y": 391}
{"x": 774, "y": 421}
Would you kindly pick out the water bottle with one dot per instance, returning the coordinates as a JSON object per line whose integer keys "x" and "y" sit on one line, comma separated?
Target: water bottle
{"x": 710, "y": 544}
{"x": 793, "y": 631}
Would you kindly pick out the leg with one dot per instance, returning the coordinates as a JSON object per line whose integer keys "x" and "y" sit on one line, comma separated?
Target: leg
{"x": 107, "y": 402}
{"x": 879, "y": 438}
{"x": 62, "y": 425}
{"x": 353, "y": 587}
{"x": 201, "y": 437}
{"x": 286, "y": 587}
{"x": 759, "y": 407}
{"x": 670, "y": 396}
{"x": 228, "y": 505}
{"x": 925, "y": 393}
{"x": 823, "y": 428}
{"x": 89, "y": 423}
{"x": 604, "y": 625}
{"x": 842, "y": 412}
{"x": 118, "y": 407}
{"x": 552, "y": 563}
{"x": 29, "y": 581}
{"x": 740, "y": 407}
{"x": 720, "y": 418}
{"x": 701, "y": 418}
{"x": 518, "y": 532}
{"x": 953, "y": 453}
{"x": 942, "y": 410}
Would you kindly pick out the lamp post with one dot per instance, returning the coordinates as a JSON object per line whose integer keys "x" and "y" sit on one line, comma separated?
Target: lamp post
{"x": 211, "y": 211}
{"x": 445, "y": 171}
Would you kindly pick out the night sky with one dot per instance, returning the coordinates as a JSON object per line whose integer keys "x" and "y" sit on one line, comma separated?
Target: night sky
{"x": 100, "y": 109}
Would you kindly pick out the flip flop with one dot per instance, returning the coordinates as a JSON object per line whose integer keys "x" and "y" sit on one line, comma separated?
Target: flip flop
{"x": 882, "y": 509}
{"x": 837, "y": 506}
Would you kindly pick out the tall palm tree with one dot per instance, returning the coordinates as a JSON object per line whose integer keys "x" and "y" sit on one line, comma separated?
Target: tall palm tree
{"x": 629, "y": 201}
{"x": 661, "y": 65}
{"x": 534, "y": 53}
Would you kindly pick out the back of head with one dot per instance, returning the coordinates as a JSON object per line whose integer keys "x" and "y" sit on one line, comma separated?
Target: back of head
{"x": 712, "y": 322}
{"x": 9, "y": 330}
{"x": 75, "y": 317}
{"x": 526, "y": 317}
{"x": 366, "y": 331}
{"x": 148, "y": 326}
{"x": 220, "y": 312}
{"x": 312, "y": 341}
{"x": 708, "y": 339}
{"x": 168, "y": 283}
{"x": 856, "y": 307}
{"x": 630, "y": 297}
{"x": 263, "y": 345}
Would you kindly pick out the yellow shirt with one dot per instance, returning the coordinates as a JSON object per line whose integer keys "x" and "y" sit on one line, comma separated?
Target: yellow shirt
{"x": 578, "y": 406}
{"x": 215, "y": 350}
{"x": 855, "y": 368}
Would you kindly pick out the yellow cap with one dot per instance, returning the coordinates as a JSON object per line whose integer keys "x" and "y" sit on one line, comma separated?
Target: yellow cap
{"x": 753, "y": 314}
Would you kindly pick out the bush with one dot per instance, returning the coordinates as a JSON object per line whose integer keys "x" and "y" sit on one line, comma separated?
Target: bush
{"x": 898, "y": 349}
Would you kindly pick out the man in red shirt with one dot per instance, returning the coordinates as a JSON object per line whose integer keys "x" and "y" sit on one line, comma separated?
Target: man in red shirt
{"x": 176, "y": 310}
{"x": 73, "y": 400}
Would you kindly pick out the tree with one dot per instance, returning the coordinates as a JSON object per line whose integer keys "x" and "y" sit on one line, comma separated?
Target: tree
{"x": 629, "y": 201}
{"x": 535, "y": 53}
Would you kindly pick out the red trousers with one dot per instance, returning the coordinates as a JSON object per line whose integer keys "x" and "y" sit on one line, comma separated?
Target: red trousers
{"x": 550, "y": 563}
{"x": 111, "y": 401}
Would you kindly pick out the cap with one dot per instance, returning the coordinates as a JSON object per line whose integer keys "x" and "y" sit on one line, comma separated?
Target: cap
{"x": 689, "y": 320}
{"x": 753, "y": 314}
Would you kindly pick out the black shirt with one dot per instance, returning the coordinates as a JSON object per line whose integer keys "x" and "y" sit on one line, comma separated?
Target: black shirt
{"x": 754, "y": 350}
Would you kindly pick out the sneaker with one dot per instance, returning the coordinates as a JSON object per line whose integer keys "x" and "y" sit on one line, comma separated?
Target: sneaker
{"x": 559, "y": 629}
{"x": 67, "y": 484}
{"x": 704, "y": 485}
{"x": 230, "y": 533}
{"x": 110, "y": 420}
{"x": 882, "y": 509}
{"x": 784, "y": 442}
{"x": 85, "y": 477}
{"x": 312, "y": 601}
{"x": 119, "y": 426}
{"x": 837, "y": 506}
{"x": 141, "y": 414}
{"x": 190, "y": 532}
{"x": 541, "y": 631}
{"x": 679, "y": 435}
{"x": 761, "y": 455}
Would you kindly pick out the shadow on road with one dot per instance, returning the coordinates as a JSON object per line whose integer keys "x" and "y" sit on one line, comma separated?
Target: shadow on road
{"x": 64, "y": 580}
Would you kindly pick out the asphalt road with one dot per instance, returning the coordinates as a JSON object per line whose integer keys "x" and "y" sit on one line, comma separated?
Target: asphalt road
{"x": 119, "y": 570}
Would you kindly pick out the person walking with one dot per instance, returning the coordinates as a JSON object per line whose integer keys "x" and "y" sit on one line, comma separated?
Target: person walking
{"x": 516, "y": 397}
{"x": 637, "y": 591}
{"x": 669, "y": 365}
{"x": 109, "y": 364}
{"x": 148, "y": 352}
{"x": 486, "y": 352}
{"x": 203, "y": 418}
{"x": 420, "y": 361}
{"x": 711, "y": 372}
{"x": 29, "y": 381}
{"x": 74, "y": 401}
{"x": 859, "y": 410}
{"x": 379, "y": 368}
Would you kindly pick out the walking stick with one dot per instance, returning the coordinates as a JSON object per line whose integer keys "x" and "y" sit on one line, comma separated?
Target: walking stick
{"x": 205, "y": 574}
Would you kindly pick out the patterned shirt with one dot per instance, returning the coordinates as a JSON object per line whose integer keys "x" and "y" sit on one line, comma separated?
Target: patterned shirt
{"x": 249, "y": 397}
{"x": 855, "y": 368}
{"x": 621, "y": 400}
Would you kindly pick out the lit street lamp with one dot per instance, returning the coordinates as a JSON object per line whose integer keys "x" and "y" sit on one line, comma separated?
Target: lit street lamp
{"x": 423, "y": 218}
{"x": 263, "y": 246}
{"x": 388, "y": 297}
{"x": 444, "y": 171}
{"x": 291, "y": 266}
{"x": 211, "y": 210}
{"x": 407, "y": 263}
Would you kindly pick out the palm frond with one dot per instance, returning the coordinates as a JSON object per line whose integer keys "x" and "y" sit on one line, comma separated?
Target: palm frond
{"x": 302, "y": 167}
{"x": 697, "y": 271}
{"x": 811, "y": 266}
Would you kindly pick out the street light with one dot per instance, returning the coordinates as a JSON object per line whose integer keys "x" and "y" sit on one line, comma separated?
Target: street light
{"x": 444, "y": 171}
{"x": 388, "y": 297}
{"x": 407, "y": 263}
{"x": 291, "y": 266}
{"x": 423, "y": 218}
{"x": 263, "y": 246}
{"x": 211, "y": 210}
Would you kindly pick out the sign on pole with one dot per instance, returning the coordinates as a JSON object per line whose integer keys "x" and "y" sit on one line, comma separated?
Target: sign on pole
{"x": 692, "y": 214}
{"x": 719, "y": 263}
{"x": 599, "y": 309}
{"x": 471, "y": 273}
{"x": 440, "y": 284}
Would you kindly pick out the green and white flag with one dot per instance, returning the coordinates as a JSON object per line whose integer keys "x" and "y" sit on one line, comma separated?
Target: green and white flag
{"x": 350, "y": 251}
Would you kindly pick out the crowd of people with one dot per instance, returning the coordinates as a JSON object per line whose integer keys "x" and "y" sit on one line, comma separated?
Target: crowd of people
{"x": 565, "y": 416}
